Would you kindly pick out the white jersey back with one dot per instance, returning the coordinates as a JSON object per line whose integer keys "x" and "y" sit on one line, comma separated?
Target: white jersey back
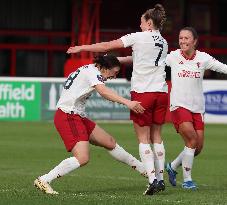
{"x": 187, "y": 76}
{"x": 78, "y": 88}
{"x": 149, "y": 53}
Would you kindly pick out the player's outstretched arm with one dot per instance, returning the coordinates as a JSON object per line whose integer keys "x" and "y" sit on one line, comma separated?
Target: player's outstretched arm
{"x": 217, "y": 66}
{"x": 97, "y": 47}
{"x": 109, "y": 94}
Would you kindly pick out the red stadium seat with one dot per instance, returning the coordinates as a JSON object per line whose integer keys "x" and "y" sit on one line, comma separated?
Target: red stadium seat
{"x": 73, "y": 64}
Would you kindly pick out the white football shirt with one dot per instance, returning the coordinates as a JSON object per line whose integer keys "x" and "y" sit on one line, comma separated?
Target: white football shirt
{"x": 149, "y": 53}
{"x": 186, "y": 78}
{"x": 78, "y": 88}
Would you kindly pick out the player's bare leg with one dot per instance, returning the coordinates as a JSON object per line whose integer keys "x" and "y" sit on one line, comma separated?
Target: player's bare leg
{"x": 100, "y": 137}
{"x": 199, "y": 141}
{"x": 189, "y": 135}
{"x": 80, "y": 158}
{"x": 171, "y": 167}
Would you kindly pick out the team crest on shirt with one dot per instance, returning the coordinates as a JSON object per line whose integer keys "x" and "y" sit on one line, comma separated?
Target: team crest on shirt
{"x": 198, "y": 64}
{"x": 100, "y": 78}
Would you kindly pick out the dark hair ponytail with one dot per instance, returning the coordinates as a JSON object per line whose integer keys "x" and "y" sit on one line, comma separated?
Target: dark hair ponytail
{"x": 107, "y": 61}
{"x": 157, "y": 15}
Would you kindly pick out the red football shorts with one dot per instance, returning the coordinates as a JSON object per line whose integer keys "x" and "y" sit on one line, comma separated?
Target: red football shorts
{"x": 155, "y": 104}
{"x": 181, "y": 115}
{"x": 72, "y": 128}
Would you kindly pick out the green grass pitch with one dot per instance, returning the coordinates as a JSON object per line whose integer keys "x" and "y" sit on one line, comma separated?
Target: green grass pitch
{"x": 28, "y": 150}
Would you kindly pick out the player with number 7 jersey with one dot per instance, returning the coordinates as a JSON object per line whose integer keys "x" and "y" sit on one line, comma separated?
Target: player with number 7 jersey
{"x": 148, "y": 86}
{"x": 149, "y": 53}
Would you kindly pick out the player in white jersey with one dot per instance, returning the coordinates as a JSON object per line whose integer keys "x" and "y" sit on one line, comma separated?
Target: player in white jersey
{"x": 76, "y": 130}
{"x": 148, "y": 86}
{"x": 187, "y": 102}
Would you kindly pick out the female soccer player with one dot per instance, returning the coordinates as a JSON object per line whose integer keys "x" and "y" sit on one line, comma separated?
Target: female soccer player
{"x": 76, "y": 130}
{"x": 187, "y": 101}
{"x": 148, "y": 86}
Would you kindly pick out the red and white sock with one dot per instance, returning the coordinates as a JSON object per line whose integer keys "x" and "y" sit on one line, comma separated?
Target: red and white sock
{"x": 147, "y": 158}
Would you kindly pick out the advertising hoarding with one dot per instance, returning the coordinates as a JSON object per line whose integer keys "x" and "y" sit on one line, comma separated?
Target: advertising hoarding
{"x": 215, "y": 93}
{"x": 19, "y": 101}
{"x": 34, "y": 99}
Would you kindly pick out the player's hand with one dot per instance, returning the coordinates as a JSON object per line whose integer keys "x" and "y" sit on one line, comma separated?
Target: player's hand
{"x": 74, "y": 49}
{"x": 136, "y": 107}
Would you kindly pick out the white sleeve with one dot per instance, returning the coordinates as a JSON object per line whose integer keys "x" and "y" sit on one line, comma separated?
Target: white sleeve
{"x": 128, "y": 40}
{"x": 94, "y": 78}
{"x": 167, "y": 60}
{"x": 216, "y": 65}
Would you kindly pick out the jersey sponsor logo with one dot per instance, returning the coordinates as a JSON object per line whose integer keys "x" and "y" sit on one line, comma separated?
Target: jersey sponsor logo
{"x": 181, "y": 62}
{"x": 100, "y": 78}
{"x": 188, "y": 74}
{"x": 216, "y": 102}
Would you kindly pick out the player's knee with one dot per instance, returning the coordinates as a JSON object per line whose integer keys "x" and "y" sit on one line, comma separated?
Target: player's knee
{"x": 83, "y": 160}
{"x": 192, "y": 141}
{"x": 111, "y": 144}
{"x": 190, "y": 137}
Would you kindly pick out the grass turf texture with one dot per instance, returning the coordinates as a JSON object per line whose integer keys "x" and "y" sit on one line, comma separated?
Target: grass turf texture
{"x": 29, "y": 149}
